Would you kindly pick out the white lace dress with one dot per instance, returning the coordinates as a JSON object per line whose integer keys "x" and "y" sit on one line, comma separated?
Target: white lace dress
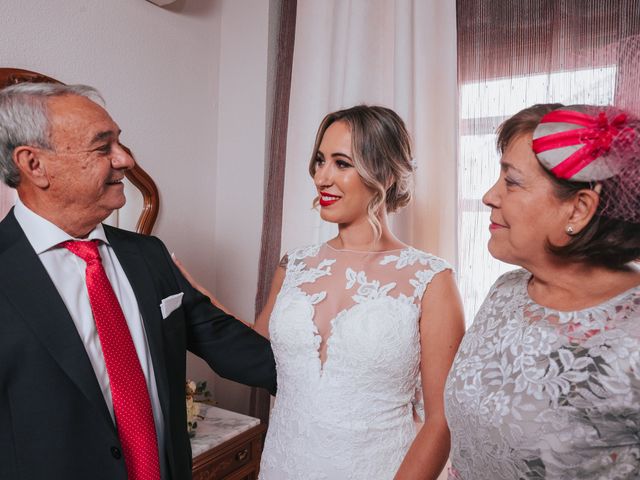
{"x": 536, "y": 393}
{"x": 345, "y": 334}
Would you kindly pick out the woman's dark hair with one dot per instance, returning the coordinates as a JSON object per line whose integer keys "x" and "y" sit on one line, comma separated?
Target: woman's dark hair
{"x": 603, "y": 241}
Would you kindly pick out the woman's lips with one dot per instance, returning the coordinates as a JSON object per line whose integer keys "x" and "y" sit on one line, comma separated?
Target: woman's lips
{"x": 327, "y": 199}
{"x": 495, "y": 226}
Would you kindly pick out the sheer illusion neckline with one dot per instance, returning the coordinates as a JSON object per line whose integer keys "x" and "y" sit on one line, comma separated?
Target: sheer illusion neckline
{"x": 325, "y": 348}
{"x": 365, "y": 252}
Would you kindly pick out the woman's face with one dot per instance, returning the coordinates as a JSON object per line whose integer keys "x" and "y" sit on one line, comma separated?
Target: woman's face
{"x": 343, "y": 195}
{"x": 525, "y": 212}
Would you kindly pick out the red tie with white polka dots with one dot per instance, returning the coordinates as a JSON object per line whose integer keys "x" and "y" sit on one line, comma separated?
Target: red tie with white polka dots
{"x": 131, "y": 403}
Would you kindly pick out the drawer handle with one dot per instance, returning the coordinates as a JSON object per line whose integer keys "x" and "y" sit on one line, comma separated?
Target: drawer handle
{"x": 242, "y": 455}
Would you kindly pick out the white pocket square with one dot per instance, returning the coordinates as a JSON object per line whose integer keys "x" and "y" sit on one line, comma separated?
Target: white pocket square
{"x": 169, "y": 304}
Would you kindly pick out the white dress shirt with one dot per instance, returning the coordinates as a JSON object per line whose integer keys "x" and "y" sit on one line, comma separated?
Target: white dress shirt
{"x": 67, "y": 271}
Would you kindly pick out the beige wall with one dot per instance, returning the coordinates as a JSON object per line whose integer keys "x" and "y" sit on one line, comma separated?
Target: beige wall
{"x": 240, "y": 167}
{"x": 187, "y": 85}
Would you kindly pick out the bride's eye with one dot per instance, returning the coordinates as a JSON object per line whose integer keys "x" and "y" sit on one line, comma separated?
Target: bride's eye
{"x": 343, "y": 164}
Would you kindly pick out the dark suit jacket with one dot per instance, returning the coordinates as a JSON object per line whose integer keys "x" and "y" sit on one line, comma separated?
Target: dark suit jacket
{"x": 54, "y": 423}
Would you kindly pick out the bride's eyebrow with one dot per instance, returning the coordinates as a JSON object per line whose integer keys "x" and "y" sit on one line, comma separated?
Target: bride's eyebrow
{"x": 343, "y": 155}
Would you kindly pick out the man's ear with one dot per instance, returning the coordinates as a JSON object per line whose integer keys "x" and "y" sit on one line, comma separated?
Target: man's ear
{"x": 585, "y": 204}
{"x": 32, "y": 169}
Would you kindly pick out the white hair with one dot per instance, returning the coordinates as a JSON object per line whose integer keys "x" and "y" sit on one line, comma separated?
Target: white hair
{"x": 24, "y": 119}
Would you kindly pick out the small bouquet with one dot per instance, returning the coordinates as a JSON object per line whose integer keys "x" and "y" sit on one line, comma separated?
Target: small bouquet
{"x": 195, "y": 391}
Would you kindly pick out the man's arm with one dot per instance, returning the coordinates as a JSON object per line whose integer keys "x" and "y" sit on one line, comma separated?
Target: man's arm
{"x": 231, "y": 349}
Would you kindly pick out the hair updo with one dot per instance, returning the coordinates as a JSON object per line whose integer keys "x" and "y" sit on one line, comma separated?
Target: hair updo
{"x": 381, "y": 149}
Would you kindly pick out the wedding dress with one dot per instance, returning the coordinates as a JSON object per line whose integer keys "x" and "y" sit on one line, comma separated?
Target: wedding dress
{"x": 345, "y": 334}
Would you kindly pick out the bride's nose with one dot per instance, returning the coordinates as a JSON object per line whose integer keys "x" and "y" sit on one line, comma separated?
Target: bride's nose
{"x": 323, "y": 177}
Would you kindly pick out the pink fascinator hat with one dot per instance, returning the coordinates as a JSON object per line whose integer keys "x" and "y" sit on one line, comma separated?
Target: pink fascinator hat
{"x": 595, "y": 145}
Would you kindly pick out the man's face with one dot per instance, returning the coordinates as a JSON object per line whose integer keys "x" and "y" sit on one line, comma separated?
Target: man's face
{"x": 86, "y": 163}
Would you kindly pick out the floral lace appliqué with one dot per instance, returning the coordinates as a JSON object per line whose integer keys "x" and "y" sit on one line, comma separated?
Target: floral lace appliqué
{"x": 536, "y": 393}
{"x": 366, "y": 290}
{"x": 351, "y": 417}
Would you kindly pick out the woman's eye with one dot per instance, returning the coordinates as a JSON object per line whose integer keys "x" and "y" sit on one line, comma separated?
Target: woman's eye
{"x": 319, "y": 160}
{"x": 343, "y": 164}
{"x": 510, "y": 182}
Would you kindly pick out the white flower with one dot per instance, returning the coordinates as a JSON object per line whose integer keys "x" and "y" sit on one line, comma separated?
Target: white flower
{"x": 191, "y": 385}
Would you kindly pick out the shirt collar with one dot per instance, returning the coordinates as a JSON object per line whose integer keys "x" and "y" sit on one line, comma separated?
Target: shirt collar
{"x": 44, "y": 235}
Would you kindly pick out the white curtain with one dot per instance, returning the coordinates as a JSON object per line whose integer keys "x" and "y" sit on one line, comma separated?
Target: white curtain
{"x": 400, "y": 54}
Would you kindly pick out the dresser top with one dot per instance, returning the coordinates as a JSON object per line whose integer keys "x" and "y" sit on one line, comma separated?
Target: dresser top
{"x": 217, "y": 427}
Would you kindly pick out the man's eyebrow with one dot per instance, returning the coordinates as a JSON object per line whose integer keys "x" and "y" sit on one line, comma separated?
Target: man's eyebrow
{"x": 106, "y": 135}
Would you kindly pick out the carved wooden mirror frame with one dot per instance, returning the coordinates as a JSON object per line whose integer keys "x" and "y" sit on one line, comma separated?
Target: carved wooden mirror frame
{"x": 137, "y": 176}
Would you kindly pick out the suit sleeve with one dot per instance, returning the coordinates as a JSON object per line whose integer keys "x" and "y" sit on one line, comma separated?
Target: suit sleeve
{"x": 233, "y": 350}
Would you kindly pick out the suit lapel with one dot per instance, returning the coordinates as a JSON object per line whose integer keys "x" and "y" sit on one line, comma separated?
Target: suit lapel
{"x": 132, "y": 260}
{"x": 29, "y": 289}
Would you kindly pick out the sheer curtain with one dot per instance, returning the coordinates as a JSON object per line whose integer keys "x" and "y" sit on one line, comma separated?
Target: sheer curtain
{"x": 510, "y": 56}
{"x": 401, "y": 54}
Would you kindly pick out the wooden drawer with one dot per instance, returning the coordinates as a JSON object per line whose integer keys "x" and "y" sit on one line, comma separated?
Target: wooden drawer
{"x": 236, "y": 459}
{"x": 244, "y": 474}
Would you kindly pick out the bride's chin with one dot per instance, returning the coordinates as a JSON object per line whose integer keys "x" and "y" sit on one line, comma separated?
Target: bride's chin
{"x": 329, "y": 217}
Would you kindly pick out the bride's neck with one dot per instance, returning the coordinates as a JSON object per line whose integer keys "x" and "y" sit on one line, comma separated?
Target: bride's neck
{"x": 360, "y": 235}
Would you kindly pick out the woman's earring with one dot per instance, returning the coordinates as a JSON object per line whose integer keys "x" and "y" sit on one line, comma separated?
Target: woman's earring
{"x": 569, "y": 230}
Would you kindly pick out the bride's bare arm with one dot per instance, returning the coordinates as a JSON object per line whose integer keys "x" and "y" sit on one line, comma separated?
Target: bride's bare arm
{"x": 441, "y": 330}
{"x": 262, "y": 322}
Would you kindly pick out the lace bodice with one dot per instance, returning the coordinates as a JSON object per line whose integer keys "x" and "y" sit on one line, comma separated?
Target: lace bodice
{"x": 345, "y": 335}
{"x": 536, "y": 393}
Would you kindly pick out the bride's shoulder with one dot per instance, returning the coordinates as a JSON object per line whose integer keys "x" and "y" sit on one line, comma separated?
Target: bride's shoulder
{"x": 413, "y": 256}
{"x": 300, "y": 253}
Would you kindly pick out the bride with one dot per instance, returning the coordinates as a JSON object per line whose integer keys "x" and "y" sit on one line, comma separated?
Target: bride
{"x": 363, "y": 327}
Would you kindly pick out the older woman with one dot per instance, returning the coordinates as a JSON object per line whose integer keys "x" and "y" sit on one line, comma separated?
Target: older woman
{"x": 546, "y": 383}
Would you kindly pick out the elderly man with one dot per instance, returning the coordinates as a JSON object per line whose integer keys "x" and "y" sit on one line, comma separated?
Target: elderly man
{"x": 94, "y": 321}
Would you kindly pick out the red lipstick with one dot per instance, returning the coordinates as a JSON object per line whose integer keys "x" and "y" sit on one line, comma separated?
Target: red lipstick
{"x": 327, "y": 199}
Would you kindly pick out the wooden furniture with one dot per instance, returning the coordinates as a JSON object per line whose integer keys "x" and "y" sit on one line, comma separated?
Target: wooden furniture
{"x": 227, "y": 445}
{"x": 137, "y": 176}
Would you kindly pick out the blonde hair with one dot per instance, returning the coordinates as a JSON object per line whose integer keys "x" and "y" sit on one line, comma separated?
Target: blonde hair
{"x": 381, "y": 149}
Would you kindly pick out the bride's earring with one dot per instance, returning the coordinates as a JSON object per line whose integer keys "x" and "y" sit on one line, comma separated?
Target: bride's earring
{"x": 569, "y": 230}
